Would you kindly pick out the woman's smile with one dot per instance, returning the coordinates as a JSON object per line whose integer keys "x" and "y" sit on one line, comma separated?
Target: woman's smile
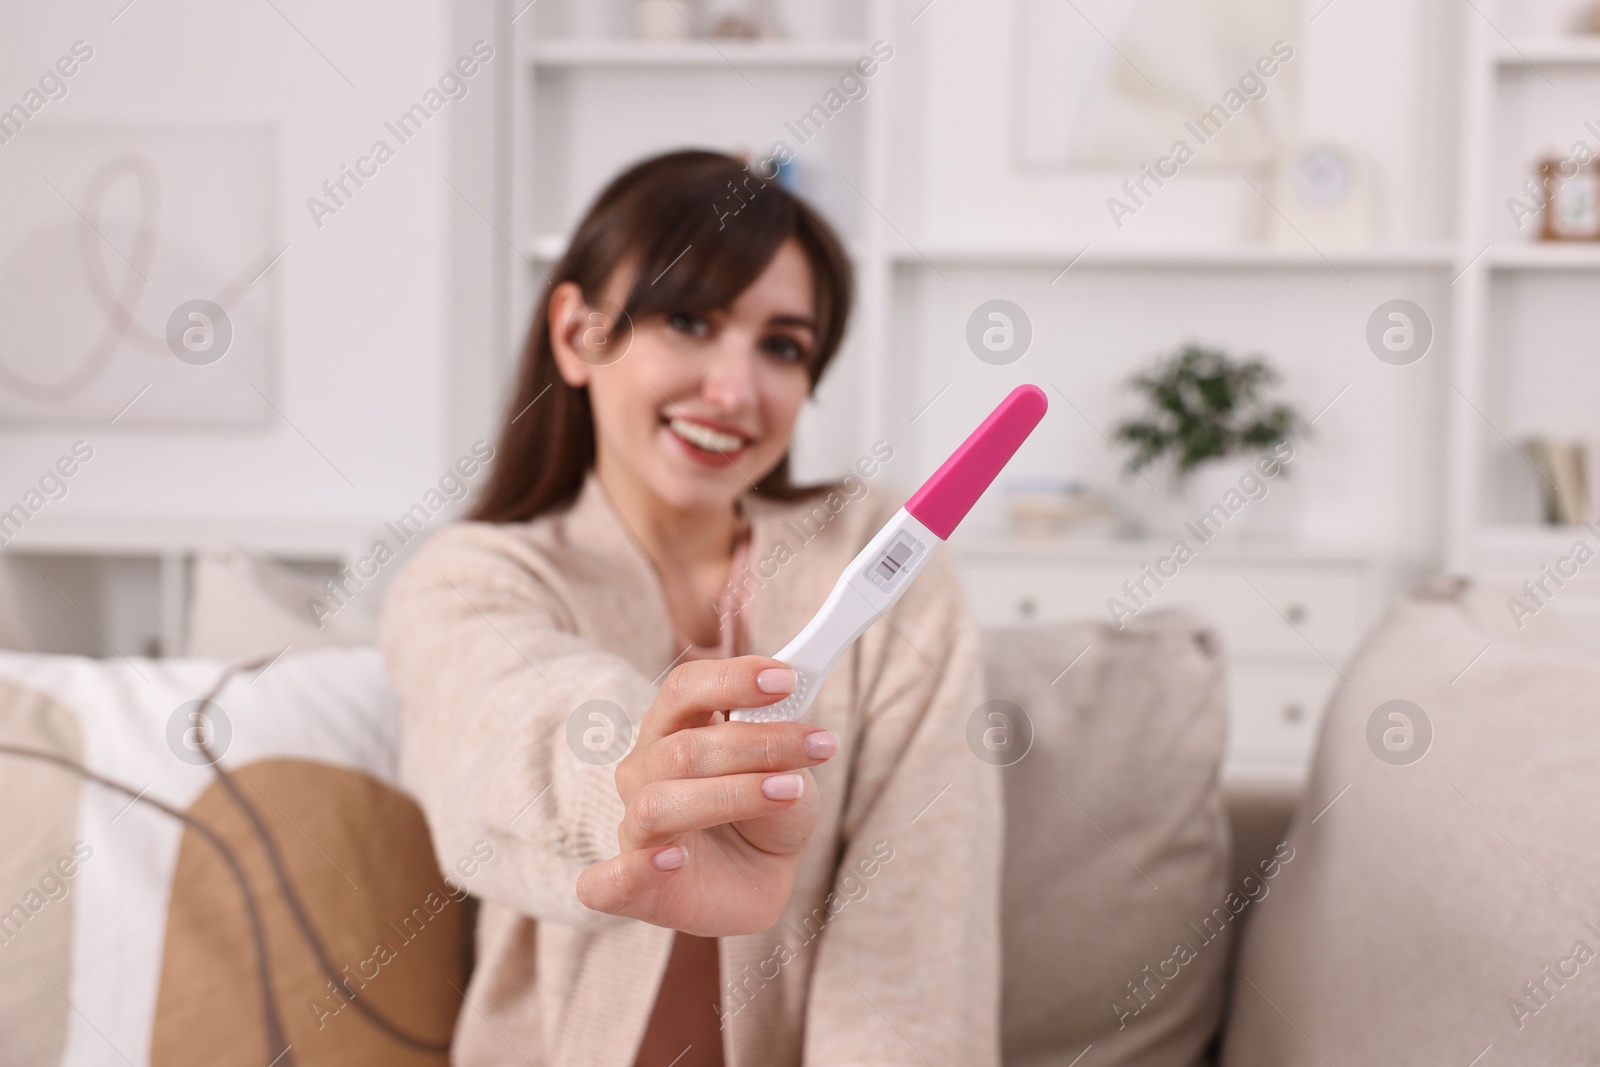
{"x": 715, "y": 445}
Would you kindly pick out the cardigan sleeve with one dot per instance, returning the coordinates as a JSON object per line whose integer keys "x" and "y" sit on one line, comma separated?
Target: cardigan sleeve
{"x": 907, "y": 970}
{"x": 489, "y": 671}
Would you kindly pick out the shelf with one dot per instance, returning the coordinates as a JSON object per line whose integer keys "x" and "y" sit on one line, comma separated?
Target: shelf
{"x": 1549, "y": 255}
{"x": 696, "y": 53}
{"x": 550, "y": 247}
{"x": 1246, "y": 257}
{"x": 1133, "y": 551}
{"x": 1575, "y": 255}
{"x": 125, "y": 536}
{"x": 1509, "y": 555}
{"x": 1574, "y": 50}
{"x": 1541, "y": 542}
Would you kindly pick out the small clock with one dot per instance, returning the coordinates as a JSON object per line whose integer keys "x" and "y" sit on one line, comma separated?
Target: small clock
{"x": 1321, "y": 197}
{"x": 1321, "y": 176}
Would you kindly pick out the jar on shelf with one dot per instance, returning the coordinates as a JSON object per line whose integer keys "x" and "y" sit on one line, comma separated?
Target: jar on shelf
{"x": 662, "y": 20}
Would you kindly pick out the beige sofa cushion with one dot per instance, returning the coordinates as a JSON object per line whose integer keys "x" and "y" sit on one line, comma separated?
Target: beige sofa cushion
{"x": 14, "y": 632}
{"x": 246, "y": 606}
{"x": 1116, "y": 841}
{"x": 1426, "y": 899}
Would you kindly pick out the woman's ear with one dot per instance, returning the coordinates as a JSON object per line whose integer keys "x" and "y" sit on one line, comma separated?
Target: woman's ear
{"x": 566, "y": 323}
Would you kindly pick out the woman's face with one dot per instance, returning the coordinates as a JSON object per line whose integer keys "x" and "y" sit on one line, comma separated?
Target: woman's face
{"x": 700, "y": 408}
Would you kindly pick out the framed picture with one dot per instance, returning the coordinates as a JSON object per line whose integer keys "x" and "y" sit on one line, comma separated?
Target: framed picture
{"x": 1571, "y": 200}
{"x": 1120, "y": 81}
{"x": 134, "y": 266}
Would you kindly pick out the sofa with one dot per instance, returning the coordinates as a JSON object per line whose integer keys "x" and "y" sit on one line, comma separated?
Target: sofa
{"x": 1429, "y": 896}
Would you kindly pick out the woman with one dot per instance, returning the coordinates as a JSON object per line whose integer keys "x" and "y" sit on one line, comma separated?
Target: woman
{"x": 821, "y": 892}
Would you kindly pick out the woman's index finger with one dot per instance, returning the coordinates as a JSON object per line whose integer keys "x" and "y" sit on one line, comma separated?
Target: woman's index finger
{"x": 693, "y": 692}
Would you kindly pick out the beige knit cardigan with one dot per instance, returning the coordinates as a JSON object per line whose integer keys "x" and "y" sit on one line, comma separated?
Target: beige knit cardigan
{"x": 888, "y": 950}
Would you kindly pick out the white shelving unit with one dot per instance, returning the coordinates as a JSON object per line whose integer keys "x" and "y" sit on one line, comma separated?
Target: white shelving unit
{"x": 1197, "y": 257}
{"x": 1550, "y": 50}
{"x": 1280, "y": 683}
{"x": 1516, "y": 74}
{"x": 87, "y": 584}
{"x": 911, "y": 279}
{"x": 1549, "y": 256}
{"x": 562, "y": 71}
{"x": 708, "y": 54}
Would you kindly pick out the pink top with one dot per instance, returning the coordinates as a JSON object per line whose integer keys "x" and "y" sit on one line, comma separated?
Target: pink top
{"x": 944, "y": 499}
{"x": 689, "y": 998}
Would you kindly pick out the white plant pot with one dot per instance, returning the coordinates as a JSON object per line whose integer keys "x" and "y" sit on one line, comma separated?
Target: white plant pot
{"x": 1216, "y": 504}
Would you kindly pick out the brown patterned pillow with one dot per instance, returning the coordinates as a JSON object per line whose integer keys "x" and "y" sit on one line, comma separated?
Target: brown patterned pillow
{"x": 150, "y": 946}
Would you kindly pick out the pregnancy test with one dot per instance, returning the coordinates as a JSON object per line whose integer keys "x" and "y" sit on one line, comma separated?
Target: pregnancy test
{"x": 885, "y": 569}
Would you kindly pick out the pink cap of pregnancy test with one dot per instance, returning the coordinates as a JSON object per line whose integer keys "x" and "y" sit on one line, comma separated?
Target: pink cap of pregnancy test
{"x": 944, "y": 499}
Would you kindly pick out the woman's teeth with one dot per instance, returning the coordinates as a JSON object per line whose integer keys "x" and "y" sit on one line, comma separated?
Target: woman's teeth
{"x": 705, "y": 437}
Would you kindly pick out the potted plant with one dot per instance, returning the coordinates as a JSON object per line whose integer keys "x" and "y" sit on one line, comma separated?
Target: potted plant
{"x": 1208, "y": 417}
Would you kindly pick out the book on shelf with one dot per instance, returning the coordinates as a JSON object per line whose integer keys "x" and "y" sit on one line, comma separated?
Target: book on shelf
{"x": 1567, "y": 479}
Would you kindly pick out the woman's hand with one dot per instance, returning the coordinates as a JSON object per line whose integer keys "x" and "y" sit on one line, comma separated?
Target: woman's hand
{"x": 718, "y": 813}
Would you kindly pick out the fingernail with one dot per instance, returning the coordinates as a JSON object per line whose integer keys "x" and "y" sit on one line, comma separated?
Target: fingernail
{"x": 775, "y": 680}
{"x": 822, "y": 744}
{"x": 669, "y": 859}
{"x": 782, "y": 786}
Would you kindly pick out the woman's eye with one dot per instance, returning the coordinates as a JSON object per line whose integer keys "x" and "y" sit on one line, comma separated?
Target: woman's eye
{"x": 685, "y": 322}
{"x": 786, "y": 348}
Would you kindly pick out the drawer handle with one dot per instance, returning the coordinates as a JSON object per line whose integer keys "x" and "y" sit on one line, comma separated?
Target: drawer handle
{"x": 1296, "y": 613}
{"x": 1026, "y": 607}
{"x": 1293, "y": 712}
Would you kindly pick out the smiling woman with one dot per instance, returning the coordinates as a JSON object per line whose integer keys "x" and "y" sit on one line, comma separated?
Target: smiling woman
{"x": 653, "y": 258}
{"x": 566, "y": 664}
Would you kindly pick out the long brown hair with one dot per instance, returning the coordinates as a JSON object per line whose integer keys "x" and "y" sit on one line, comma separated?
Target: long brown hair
{"x": 697, "y": 228}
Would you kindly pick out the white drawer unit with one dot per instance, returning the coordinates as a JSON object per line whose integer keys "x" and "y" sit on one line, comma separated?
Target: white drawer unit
{"x": 1275, "y": 711}
{"x": 1271, "y": 609}
{"x": 1288, "y": 618}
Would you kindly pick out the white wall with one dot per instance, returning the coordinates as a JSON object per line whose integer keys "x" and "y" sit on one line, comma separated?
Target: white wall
{"x": 363, "y": 372}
